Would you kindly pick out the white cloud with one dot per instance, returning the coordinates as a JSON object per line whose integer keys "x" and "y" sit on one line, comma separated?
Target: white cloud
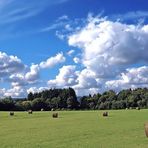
{"x": 16, "y": 91}
{"x": 35, "y": 89}
{"x": 85, "y": 92}
{"x": 62, "y": 18}
{"x": 109, "y": 48}
{"x": 70, "y": 52}
{"x": 66, "y": 77}
{"x": 21, "y": 77}
{"x": 14, "y": 10}
{"x": 132, "y": 78}
{"x": 108, "y": 44}
{"x": 33, "y": 74}
{"x": 52, "y": 61}
{"x": 17, "y": 80}
{"x": 76, "y": 60}
{"x": 109, "y": 52}
{"x": 10, "y": 65}
{"x": 2, "y": 91}
{"x": 86, "y": 79}
{"x": 24, "y": 79}
{"x": 132, "y": 15}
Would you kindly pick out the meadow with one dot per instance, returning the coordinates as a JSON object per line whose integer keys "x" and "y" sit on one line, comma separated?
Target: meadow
{"x": 74, "y": 129}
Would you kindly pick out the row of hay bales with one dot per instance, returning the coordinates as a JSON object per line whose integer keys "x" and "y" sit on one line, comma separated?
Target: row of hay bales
{"x": 12, "y": 113}
{"x": 105, "y": 114}
{"x": 130, "y": 108}
{"x": 54, "y": 115}
{"x": 29, "y": 112}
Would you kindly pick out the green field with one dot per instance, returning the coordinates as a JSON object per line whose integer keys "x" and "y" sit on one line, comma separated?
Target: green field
{"x": 74, "y": 129}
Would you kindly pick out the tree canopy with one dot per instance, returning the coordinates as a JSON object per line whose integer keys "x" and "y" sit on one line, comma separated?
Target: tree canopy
{"x": 66, "y": 99}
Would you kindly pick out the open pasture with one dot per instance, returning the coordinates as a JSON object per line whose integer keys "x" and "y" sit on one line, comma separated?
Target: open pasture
{"x": 74, "y": 129}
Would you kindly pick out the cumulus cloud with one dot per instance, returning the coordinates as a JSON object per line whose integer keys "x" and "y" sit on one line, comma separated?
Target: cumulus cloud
{"x": 109, "y": 53}
{"x": 16, "y": 91}
{"x": 66, "y": 77}
{"x": 24, "y": 79}
{"x": 110, "y": 42}
{"x": 35, "y": 89}
{"x": 2, "y": 91}
{"x": 86, "y": 79}
{"x": 132, "y": 78}
{"x": 10, "y": 65}
{"x": 52, "y": 61}
{"x": 17, "y": 80}
{"x": 83, "y": 82}
{"x": 33, "y": 74}
{"x": 76, "y": 60}
{"x": 108, "y": 49}
{"x": 20, "y": 76}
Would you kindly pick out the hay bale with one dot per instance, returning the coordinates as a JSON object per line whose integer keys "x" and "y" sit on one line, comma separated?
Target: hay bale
{"x": 42, "y": 109}
{"x": 52, "y": 109}
{"x": 137, "y": 108}
{"x": 29, "y": 111}
{"x": 55, "y": 115}
{"x": 105, "y": 114}
{"x": 146, "y": 129}
{"x": 11, "y": 113}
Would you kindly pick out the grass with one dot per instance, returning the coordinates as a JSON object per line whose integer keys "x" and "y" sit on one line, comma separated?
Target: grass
{"x": 74, "y": 129}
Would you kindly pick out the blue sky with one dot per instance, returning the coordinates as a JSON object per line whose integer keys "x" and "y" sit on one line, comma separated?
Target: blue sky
{"x": 90, "y": 45}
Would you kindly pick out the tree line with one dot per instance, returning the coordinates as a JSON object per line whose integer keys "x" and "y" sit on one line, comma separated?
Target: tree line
{"x": 66, "y": 99}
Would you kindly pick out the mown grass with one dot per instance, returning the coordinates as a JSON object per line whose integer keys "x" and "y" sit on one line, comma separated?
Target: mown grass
{"x": 74, "y": 129}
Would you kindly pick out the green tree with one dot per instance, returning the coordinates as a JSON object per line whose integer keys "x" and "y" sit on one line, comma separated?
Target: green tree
{"x": 30, "y": 96}
{"x": 72, "y": 103}
{"x": 38, "y": 104}
{"x": 26, "y": 105}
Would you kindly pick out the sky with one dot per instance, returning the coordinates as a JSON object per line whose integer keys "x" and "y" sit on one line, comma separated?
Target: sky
{"x": 89, "y": 45}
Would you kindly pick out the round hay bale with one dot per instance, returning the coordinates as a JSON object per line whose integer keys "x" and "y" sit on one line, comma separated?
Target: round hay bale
{"x": 137, "y": 108}
{"x": 52, "y": 109}
{"x": 146, "y": 129}
{"x": 105, "y": 114}
{"x": 29, "y": 111}
{"x": 55, "y": 115}
{"x": 11, "y": 113}
{"x": 42, "y": 109}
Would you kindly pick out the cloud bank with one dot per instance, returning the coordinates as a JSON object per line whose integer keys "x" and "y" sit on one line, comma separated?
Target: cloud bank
{"x": 111, "y": 52}
{"x": 107, "y": 55}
